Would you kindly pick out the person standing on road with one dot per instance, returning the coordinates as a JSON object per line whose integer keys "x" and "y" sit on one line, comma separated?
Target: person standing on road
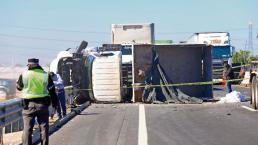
{"x": 38, "y": 93}
{"x": 230, "y": 61}
{"x": 59, "y": 87}
{"x": 228, "y": 74}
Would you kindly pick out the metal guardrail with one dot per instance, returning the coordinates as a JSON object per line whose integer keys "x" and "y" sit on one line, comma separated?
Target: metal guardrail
{"x": 10, "y": 111}
{"x": 10, "y": 116}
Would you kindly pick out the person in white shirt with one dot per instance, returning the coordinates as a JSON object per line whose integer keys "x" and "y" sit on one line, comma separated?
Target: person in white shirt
{"x": 60, "y": 92}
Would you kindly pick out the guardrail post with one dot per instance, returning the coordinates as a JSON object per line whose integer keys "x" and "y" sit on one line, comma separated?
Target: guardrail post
{"x": 2, "y": 121}
{"x": 10, "y": 116}
{"x": 1, "y": 136}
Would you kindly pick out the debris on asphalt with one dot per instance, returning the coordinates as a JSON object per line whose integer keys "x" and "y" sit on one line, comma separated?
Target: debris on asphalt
{"x": 233, "y": 97}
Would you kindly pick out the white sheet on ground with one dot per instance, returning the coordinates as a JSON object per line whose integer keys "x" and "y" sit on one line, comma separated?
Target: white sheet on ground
{"x": 233, "y": 97}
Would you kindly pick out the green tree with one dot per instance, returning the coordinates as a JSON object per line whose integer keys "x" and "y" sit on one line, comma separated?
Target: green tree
{"x": 254, "y": 58}
{"x": 241, "y": 57}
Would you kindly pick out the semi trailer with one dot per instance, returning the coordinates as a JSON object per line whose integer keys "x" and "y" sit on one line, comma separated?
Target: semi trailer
{"x": 221, "y": 48}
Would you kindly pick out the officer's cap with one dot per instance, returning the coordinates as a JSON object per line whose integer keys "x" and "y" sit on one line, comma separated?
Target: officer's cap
{"x": 33, "y": 61}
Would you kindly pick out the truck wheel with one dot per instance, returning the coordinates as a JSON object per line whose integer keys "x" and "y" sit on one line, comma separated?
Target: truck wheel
{"x": 255, "y": 89}
{"x": 252, "y": 90}
{"x": 252, "y": 93}
{"x": 256, "y": 96}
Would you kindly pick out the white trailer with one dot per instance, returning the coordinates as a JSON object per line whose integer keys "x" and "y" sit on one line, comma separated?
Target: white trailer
{"x": 221, "y": 50}
{"x": 210, "y": 38}
{"x": 133, "y": 33}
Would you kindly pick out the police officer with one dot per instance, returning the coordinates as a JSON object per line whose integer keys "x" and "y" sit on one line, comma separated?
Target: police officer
{"x": 38, "y": 93}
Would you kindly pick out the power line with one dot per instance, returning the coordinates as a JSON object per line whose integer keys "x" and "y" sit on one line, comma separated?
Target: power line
{"x": 172, "y": 33}
{"x": 108, "y": 33}
{"x": 77, "y": 31}
{"x": 59, "y": 30}
{"x": 231, "y": 29}
{"x": 236, "y": 29}
{"x": 31, "y": 47}
{"x": 238, "y": 39}
{"x": 89, "y": 32}
{"x": 41, "y": 38}
{"x": 38, "y": 38}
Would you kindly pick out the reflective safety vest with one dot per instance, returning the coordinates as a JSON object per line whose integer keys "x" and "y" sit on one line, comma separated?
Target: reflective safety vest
{"x": 35, "y": 84}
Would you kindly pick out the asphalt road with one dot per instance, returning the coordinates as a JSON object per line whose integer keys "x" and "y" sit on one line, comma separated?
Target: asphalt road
{"x": 211, "y": 124}
{"x": 101, "y": 124}
{"x": 203, "y": 124}
{"x": 206, "y": 124}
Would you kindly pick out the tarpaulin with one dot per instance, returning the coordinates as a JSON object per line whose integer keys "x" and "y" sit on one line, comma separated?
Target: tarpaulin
{"x": 163, "y": 93}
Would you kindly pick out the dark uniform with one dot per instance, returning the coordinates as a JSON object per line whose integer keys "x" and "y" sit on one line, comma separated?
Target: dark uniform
{"x": 228, "y": 74}
{"x": 38, "y": 93}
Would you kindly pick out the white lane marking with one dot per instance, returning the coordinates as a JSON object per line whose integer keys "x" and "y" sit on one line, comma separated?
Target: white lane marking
{"x": 248, "y": 108}
{"x": 142, "y": 131}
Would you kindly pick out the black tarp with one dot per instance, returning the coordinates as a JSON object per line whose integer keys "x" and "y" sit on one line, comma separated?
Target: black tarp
{"x": 163, "y": 93}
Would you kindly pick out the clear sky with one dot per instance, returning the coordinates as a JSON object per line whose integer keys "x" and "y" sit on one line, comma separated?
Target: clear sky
{"x": 41, "y": 28}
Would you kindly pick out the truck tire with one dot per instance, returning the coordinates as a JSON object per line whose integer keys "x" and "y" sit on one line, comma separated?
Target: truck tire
{"x": 254, "y": 92}
{"x": 256, "y": 96}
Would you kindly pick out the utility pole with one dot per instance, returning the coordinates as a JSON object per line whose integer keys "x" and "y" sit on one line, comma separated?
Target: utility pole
{"x": 250, "y": 40}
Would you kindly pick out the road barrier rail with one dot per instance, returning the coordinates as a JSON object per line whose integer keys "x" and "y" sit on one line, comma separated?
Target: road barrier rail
{"x": 10, "y": 111}
{"x": 10, "y": 116}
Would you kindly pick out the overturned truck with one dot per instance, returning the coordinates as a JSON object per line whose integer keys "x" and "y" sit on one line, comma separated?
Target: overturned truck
{"x": 104, "y": 76}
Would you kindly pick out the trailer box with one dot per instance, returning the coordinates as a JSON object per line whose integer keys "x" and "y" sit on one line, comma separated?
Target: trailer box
{"x": 182, "y": 63}
{"x": 133, "y": 33}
